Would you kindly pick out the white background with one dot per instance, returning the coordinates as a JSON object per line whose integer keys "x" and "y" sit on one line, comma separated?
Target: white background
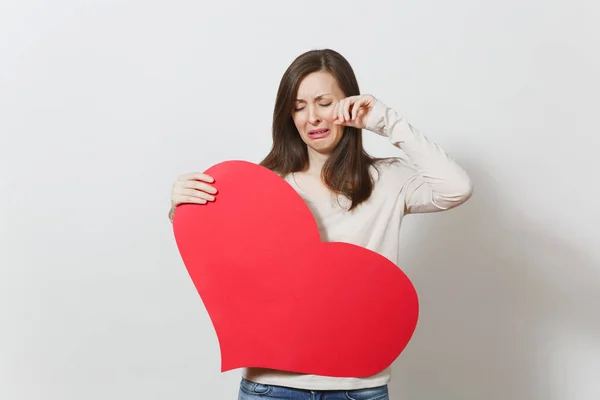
{"x": 103, "y": 104}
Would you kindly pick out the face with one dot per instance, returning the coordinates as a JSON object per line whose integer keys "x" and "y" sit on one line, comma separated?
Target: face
{"x": 314, "y": 110}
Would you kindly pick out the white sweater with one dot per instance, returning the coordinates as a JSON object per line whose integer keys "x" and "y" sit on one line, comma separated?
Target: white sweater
{"x": 430, "y": 182}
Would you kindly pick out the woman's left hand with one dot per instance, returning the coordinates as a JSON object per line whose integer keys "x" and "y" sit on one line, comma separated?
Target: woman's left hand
{"x": 354, "y": 110}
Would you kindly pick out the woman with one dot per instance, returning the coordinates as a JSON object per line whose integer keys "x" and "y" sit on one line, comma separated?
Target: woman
{"x": 355, "y": 198}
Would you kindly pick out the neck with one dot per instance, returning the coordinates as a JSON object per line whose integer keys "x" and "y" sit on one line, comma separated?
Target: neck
{"x": 316, "y": 161}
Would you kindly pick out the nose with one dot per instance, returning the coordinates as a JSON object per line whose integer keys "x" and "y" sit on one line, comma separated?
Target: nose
{"x": 313, "y": 117}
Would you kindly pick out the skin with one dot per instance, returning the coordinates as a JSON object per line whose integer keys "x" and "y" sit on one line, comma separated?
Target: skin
{"x": 315, "y": 108}
{"x": 320, "y": 104}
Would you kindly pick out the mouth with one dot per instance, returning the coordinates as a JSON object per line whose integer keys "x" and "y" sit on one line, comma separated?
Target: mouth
{"x": 319, "y": 133}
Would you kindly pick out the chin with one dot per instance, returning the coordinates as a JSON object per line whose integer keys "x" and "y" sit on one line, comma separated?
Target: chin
{"x": 325, "y": 150}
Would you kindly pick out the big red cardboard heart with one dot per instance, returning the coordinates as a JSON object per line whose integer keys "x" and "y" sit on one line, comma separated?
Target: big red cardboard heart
{"x": 280, "y": 298}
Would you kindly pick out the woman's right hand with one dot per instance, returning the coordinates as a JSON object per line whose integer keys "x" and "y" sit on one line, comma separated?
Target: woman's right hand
{"x": 192, "y": 188}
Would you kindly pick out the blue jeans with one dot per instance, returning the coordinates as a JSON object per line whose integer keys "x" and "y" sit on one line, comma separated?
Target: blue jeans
{"x": 256, "y": 391}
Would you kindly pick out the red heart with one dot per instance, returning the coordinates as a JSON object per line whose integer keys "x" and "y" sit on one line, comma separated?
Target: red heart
{"x": 280, "y": 298}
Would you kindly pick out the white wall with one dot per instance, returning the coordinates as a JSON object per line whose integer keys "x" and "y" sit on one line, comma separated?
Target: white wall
{"x": 104, "y": 104}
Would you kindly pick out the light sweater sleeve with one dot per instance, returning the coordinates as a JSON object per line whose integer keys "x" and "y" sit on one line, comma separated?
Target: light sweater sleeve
{"x": 437, "y": 182}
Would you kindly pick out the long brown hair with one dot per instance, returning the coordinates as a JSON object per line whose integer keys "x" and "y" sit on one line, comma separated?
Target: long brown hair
{"x": 347, "y": 169}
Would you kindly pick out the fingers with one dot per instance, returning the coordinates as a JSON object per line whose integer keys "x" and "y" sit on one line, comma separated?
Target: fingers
{"x": 338, "y": 112}
{"x": 341, "y": 111}
{"x": 199, "y": 176}
{"x": 193, "y": 196}
{"x": 354, "y": 109}
{"x": 199, "y": 186}
{"x": 197, "y": 194}
{"x": 191, "y": 200}
{"x": 190, "y": 188}
{"x": 347, "y": 109}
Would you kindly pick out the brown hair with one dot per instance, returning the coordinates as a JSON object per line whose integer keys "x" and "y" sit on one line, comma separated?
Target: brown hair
{"x": 347, "y": 169}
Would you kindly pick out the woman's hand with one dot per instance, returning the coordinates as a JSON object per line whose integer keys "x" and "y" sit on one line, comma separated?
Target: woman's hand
{"x": 354, "y": 110}
{"x": 192, "y": 188}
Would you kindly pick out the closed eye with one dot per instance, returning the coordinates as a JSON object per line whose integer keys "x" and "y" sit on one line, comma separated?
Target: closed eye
{"x": 322, "y": 105}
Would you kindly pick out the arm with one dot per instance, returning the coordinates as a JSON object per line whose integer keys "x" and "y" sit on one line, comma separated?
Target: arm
{"x": 438, "y": 182}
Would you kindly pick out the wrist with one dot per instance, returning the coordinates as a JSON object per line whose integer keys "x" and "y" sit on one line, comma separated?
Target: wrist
{"x": 375, "y": 120}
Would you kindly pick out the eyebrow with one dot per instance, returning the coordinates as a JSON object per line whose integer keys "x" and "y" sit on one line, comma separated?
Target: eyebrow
{"x": 319, "y": 97}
